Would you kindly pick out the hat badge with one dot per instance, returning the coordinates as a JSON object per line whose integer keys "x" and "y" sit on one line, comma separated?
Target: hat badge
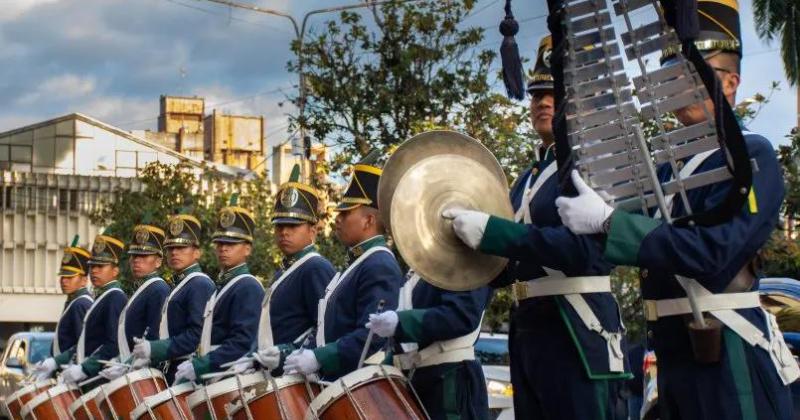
{"x": 176, "y": 226}
{"x": 99, "y": 246}
{"x": 67, "y": 258}
{"x": 227, "y": 218}
{"x": 546, "y": 57}
{"x": 289, "y": 197}
{"x": 141, "y": 236}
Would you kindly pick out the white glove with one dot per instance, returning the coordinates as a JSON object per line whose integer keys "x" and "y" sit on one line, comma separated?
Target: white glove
{"x": 141, "y": 349}
{"x": 269, "y": 358}
{"x": 185, "y": 371}
{"x": 73, "y": 374}
{"x": 468, "y": 225}
{"x": 302, "y": 361}
{"x": 242, "y": 365}
{"x": 45, "y": 368}
{"x": 114, "y": 371}
{"x": 384, "y": 324}
{"x": 140, "y": 363}
{"x": 585, "y": 213}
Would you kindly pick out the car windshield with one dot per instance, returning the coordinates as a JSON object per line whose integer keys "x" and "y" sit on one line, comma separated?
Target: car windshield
{"x": 492, "y": 351}
{"x": 40, "y": 349}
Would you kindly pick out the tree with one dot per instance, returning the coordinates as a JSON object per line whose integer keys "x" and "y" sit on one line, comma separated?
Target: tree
{"x": 418, "y": 69}
{"x": 781, "y": 19}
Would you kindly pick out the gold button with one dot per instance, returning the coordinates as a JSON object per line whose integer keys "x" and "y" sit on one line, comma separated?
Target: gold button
{"x": 643, "y": 273}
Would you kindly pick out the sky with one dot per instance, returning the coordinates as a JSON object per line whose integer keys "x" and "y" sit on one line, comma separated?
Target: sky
{"x": 111, "y": 59}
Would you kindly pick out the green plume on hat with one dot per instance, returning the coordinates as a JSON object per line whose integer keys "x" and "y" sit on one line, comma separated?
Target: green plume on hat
{"x": 295, "y": 176}
{"x": 234, "y": 199}
{"x": 75, "y": 240}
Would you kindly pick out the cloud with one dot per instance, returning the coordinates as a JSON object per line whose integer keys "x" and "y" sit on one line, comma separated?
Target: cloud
{"x": 64, "y": 87}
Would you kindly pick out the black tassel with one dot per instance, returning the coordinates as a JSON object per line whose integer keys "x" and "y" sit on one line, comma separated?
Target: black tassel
{"x": 509, "y": 53}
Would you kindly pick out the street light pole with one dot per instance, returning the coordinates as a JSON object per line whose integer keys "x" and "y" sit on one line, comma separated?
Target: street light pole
{"x": 300, "y": 31}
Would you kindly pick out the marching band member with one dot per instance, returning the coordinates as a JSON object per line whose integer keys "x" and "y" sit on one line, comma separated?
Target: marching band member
{"x": 98, "y": 338}
{"x": 372, "y": 276}
{"x": 747, "y": 374}
{"x": 230, "y": 323}
{"x": 142, "y": 314}
{"x": 439, "y": 328}
{"x": 74, "y": 268}
{"x": 182, "y": 314}
{"x": 289, "y": 310}
{"x": 566, "y": 324}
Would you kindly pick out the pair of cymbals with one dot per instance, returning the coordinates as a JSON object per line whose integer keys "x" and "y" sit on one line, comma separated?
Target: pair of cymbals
{"x": 428, "y": 174}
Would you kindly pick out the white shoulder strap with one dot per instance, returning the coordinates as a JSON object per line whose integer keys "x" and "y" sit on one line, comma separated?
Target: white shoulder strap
{"x": 81, "y": 347}
{"x": 208, "y": 315}
{"x": 688, "y": 170}
{"x": 122, "y": 339}
{"x": 523, "y": 213}
{"x": 163, "y": 326}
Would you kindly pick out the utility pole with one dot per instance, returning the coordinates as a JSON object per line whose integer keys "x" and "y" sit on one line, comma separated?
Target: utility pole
{"x": 300, "y": 31}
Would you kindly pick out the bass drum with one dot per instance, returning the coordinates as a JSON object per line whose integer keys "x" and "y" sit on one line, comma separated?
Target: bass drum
{"x": 119, "y": 397}
{"x": 372, "y": 392}
{"x": 18, "y": 399}
{"x": 285, "y": 398}
{"x": 52, "y": 404}
{"x": 220, "y": 394}
{"x": 85, "y": 407}
{"x": 170, "y": 404}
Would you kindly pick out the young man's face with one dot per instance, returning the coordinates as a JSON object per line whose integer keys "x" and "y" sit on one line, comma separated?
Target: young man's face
{"x": 292, "y": 238}
{"x": 542, "y": 114}
{"x": 351, "y": 225}
{"x": 180, "y": 257}
{"x": 730, "y": 79}
{"x": 230, "y": 255}
{"x": 72, "y": 283}
{"x": 103, "y": 273}
{"x": 142, "y": 265}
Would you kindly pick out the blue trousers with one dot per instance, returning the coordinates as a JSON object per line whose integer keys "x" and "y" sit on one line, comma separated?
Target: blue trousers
{"x": 547, "y": 375}
{"x": 453, "y": 391}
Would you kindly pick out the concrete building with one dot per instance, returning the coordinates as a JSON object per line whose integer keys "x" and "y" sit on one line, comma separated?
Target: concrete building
{"x": 53, "y": 174}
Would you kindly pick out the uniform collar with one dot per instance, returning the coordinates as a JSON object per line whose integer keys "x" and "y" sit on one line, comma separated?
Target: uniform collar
{"x": 141, "y": 281}
{"x": 291, "y": 259}
{"x": 226, "y": 276}
{"x": 80, "y": 292}
{"x": 178, "y": 277}
{"x": 113, "y": 284}
{"x": 546, "y": 153}
{"x": 359, "y": 249}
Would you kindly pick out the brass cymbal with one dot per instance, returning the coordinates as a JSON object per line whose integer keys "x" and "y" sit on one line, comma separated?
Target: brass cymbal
{"x": 452, "y": 177}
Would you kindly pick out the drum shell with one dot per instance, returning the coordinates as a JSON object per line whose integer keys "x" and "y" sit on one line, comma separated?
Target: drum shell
{"x": 122, "y": 399}
{"x": 384, "y": 394}
{"x": 85, "y": 407}
{"x": 222, "y": 394}
{"x": 52, "y": 404}
{"x": 18, "y": 399}
{"x": 293, "y": 394}
{"x": 166, "y": 407}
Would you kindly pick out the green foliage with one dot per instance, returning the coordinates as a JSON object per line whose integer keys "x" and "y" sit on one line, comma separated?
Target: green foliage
{"x": 781, "y": 19}
{"x": 625, "y": 287}
{"x": 781, "y": 256}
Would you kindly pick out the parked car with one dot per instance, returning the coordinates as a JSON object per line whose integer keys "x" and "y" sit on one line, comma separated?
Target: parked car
{"x": 23, "y": 351}
{"x": 492, "y": 351}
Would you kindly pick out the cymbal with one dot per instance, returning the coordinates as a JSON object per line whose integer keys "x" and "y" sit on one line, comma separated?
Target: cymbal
{"x": 462, "y": 176}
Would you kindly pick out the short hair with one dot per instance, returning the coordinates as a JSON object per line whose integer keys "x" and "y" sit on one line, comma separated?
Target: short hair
{"x": 378, "y": 220}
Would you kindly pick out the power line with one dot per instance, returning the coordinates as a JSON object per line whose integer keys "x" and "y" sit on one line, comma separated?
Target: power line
{"x": 475, "y": 12}
{"x": 214, "y": 13}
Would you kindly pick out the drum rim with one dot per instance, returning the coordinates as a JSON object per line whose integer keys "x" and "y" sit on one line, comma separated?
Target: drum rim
{"x": 361, "y": 376}
{"x": 120, "y": 382}
{"x": 89, "y": 396}
{"x": 18, "y": 393}
{"x": 45, "y": 396}
{"x": 156, "y": 399}
{"x": 282, "y": 382}
{"x": 222, "y": 387}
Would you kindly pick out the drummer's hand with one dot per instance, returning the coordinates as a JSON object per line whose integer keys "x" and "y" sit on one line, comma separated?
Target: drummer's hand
{"x": 269, "y": 358}
{"x": 43, "y": 369}
{"x": 73, "y": 374}
{"x": 586, "y": 213}
{"x": 469, "y": 225}
{"x": 141, "y": 349}
{"x": 384, "y": 324}
{"x": 185, "y": 372}
{"x": 113, "y": 372}
{"x": 302, "y": 361}
{"x": 139, "y": 363}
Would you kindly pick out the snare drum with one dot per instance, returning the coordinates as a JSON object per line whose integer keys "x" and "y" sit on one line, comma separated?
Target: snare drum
{"x": 169, "y": 404}
{"x": 222, "y": 393}
{"x": 119, "y": 397}
{"x": 17, "y": 400}
{"x": 285, "y": 398}
{"x": 52, "y": 404}
{"x": 85, "y": 407}
{"x": 373, "y": 392}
